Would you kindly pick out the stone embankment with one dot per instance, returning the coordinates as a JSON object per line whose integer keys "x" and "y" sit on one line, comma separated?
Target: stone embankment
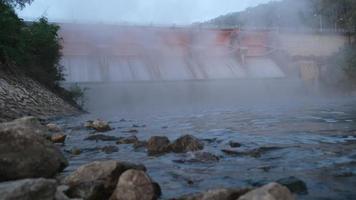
{"x": 30, "y": 163}
{"x": 21, "y": 96}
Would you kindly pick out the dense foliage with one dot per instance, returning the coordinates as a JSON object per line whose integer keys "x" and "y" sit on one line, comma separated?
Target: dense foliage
{"x": 31, "y": 48}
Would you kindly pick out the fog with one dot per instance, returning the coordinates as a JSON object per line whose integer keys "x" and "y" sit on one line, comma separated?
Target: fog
{"x": 134, "y": 11}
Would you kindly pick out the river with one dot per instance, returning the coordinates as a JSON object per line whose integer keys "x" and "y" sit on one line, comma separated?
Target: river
{"x": 311, "y": 136}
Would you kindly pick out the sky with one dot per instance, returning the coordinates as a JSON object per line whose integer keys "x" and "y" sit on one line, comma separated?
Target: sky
{"x": 179, "y": 12}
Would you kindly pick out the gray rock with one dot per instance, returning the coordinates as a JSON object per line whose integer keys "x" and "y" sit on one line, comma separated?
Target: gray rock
{"x": 234, "y": 144}
{"x": 217, "y": 194}
{"x": 97, "y": 180}
{"x": 200, "y": 157}
{"x": 54, "y": 128}
{"x": 158, "y": 145}
{"x": 28, "y": 189}
{"x": 24, "y": 153}
{"x": 134, "y": 185}
{"x": 272, "y": 191}
{"x": 129, "y": 140}
{"x": 186, "y": 143}
{"x": 98, "y": 125}
{"x": 294, "y": 184}
{"x": 100, "y": 137}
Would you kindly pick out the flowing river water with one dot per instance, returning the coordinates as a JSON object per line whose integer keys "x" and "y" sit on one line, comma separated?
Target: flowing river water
{"x": 309, "y": 136}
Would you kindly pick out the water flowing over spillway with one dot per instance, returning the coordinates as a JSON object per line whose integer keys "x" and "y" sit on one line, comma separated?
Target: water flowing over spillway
{"x": 96, "y": 54}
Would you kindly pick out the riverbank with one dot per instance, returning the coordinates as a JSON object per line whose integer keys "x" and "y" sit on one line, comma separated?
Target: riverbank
{"x": 30, "y": 163}
{"x": 22, "y": 96}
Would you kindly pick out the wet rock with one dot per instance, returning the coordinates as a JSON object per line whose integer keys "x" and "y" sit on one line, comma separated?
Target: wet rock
{"x": 158, "y": 145}
{"x": 272, "y": 191}
{"x": 256, "y": 153}
{"x": 129, "y": 140}
{"x": 138, "y": 126}
{"x": 75, "y": 151}
{"x": 234, "y": 144}
{"x": 36, "y": 189}
{"x": 100, "y": 137}
{"x": 98, "y": 125}
{"x": 25, "y": 153}
{"x": 97, "y": 180}
{"x": 58, "y": 138}
{"x": 132, "y": 131}
{"x": 61, "y": 193}
{"x": 109, "y": 149}
{"x": 53, "y": 128}
{"x": 140, "y": 144}
{"x": 200, "y": 157}
{"x": 134, "y": 185}
{"x": 294, "y": 184}
{"x": 217, "y": 194}
{"x": 186, "y": 143}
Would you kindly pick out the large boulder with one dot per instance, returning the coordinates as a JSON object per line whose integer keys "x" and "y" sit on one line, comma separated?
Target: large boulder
{"x": 97, "y": 180}
{"x": 25, "y": 153}
{"x": 272, "y": 191}
{"x": 186, "y": 143}
{"x": 217, "y": 194}
{"x": 157, "y": 145}
{"x": 134, "y": 185}
{"x": 28, "y": 189}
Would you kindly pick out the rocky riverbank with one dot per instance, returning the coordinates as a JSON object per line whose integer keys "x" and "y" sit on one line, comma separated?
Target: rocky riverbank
{"x": 21, "y": 96}
{"x": 31, "y": 162}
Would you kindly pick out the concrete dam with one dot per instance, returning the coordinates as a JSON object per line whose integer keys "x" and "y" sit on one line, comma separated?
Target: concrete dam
{"x": 111, "y": 53}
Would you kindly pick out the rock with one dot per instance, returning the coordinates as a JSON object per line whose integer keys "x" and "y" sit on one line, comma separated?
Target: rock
{"x": 75, "y": 151}
{"x": 217, "y": 194}
{"x": 129, "y": 140}
{"x": 60, "y": 193}
{"x": 54, "y": 128}
{"x": 110, "y": 149}
{"x": 158, "y": 145}
{"x": 100, "y": 137}
{"x": 139, "y": 144}
{"x": 294, "y": 184}
{"x": 272, "y": 191}
{"x": 234, "y": 144}
{"x": 134, "y": 185}
{"x": 200, "y": 157}
{"x": 25, "y": 153}
{"x": 98, "y": 125}
{"x": 132, "y": 131}
{"x": 97, "y": 180}
{"x": 253, "y": 153}
{"x": 58, "y": 138}
{"x": 31, "y": 189}
{"x": 24, "y": 123}
{"x": 186, "y": 143}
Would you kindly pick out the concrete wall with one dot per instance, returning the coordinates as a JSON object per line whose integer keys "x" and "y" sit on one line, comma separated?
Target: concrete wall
{"x": 308, "y": 44}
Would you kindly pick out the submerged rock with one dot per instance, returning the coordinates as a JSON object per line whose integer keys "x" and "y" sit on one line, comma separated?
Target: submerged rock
{"x": 53, "y": 128}
{"x": 140, "y": 144}
{"x": 272, "y": 191}
{"x": 253, "y": 153}
{"x": 58, "y": 138}
{"x": 31, "y": 189}
{"x": 98, "y": 125}
{"x": 294, "y": 184}
{"x": 217, "y": 194}
{"x": 97, "y": 180}
{"x": 109, "y": 149}
{"x": 158, "y": 145}
{"x": 25, "y": 153}
{"x": 100, "y": 137}
{"x": 234, "y": 144}
{"x": 129, "y": 140}
{"x": 75, "y": 151}
{"x": 200, "y": 157}
{"x": 132, "y": 131}
{"x": 135, "y": 185}
{"x": 186, "y": 143}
